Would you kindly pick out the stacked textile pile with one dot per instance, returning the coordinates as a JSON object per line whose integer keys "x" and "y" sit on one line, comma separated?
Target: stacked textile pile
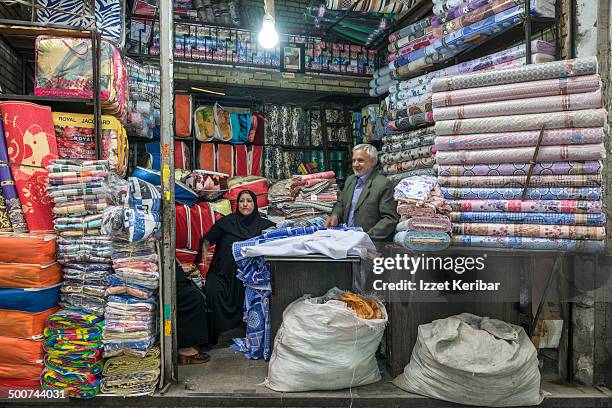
{"x": 420, "y": 45}
{"x": 57, "y": 74}
{"x": 408, "y": 154}
{"x": 76, "y": 139}
{"x": 489, "y": 127}
{"x": 131, "y": 312}
{"x": 109, "y": 16}
{"x": 424, "y": 224}
{"x": 73, "y": 343}
{"x": 144, "y": 99}
{"x": 80, "y": 193}
{"x": 29, "y": 284}
{"x": 312, "y": 195}
{"x": 131, "y": 376}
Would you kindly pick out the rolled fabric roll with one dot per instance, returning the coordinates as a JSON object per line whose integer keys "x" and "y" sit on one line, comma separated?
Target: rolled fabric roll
{"x": 533, "y": 193}
{"x": 422, "y": 241}
{"x": 549, "y": 244}
{"x": 521, "y": 169}
{"x": 542, "y": 206}
{"x": 551, "y": 70}
{"x": 588, "y": 180}
{"x": 531, "y": 230}
{"x": 529, "y": 218}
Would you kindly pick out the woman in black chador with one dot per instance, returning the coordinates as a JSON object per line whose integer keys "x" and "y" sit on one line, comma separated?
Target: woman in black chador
{"x": 224, "y": 291}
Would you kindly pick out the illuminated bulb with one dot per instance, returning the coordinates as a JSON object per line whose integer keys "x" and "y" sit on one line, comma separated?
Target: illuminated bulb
{"x": 268, "y": 37}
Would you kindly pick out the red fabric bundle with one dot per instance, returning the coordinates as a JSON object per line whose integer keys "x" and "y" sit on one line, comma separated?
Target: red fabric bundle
{"x": 255, "y": 155}
{"x": 192, "y": 224}
{"x": 241, "y": 160}
{"x": 181, "y": 156}
{"x": 31, "y": 143}
{"x": 182, "y": 110}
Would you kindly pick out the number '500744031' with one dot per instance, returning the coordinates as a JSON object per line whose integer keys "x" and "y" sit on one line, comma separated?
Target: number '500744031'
{"x": 26, "y": 394}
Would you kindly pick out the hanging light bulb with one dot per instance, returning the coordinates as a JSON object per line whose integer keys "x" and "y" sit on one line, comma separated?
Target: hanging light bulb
{"x": 268, "y": 37}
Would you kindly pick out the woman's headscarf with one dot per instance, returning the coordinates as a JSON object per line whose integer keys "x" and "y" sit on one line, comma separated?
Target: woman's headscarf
{"x": 245, "y": 227}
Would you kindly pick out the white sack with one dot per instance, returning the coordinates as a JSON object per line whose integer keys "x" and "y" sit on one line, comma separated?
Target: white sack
{"x": 473, "y": 360}
{"x": 324, "y": 346}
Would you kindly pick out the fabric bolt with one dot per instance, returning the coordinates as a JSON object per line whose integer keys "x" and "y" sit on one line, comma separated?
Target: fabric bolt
{"x": 396, "y": 178}
{"x": 402, "y": 109}
{"x": 31, "y": 143}
{"x": 520, "y": 139}
{"x": 531, "y": 230}
{"x": 520, "y": 90}
{"x": 457, "y": 12}
{"x": 436, "y": 223}
{"x": 415, "y": 27}
{"x": 415, "y": 209}
{"x": 422, "y": 163}
{"x": 413, "y": 134}
{"x": 550, "y": 244}
{"x": 406, "y": 155}
{"x": 521, "y": 169}
{"x": 422, "y": 241}
{"x": 412, "y": 122}
{"x": 529, "y": 218}
{"x": 537, "y": 205}
{"x": 535, "y": 193}
{"x": 414, "y": 45}
{"x": 534, "y": 72}
{"x": 587, "y": 152}
{"x": 556, "y": 120}
{"x": 425, "y": 140}
{"x": 589, "y": 180}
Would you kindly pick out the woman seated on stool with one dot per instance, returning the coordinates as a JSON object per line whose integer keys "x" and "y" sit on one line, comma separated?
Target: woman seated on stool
{"x": 224, "y": 291}
{"x": 192, "y": 316}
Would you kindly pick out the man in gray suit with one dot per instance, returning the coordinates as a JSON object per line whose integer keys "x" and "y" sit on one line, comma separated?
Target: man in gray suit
{"x": 367, "y": 198}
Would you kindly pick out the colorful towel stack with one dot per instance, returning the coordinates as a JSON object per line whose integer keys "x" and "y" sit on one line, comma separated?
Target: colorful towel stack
{"x": 64, "y": 68}
{"x": 73, "y": 343}
{"x": 29, "y": 286}
{"x": 144, "y": 99}
{"x": 408, "y": 154}
{"x": 132, "y": 376}
{"x": 80, "y": 192}
{"x": 488, "y": 126}
{"x": 132, "y": 305}
{"x": 424, "y": 224}
{"x": 436, "y": 40}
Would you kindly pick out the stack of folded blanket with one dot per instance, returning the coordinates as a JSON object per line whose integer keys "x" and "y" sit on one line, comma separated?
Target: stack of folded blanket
{"x": 408, "y": 154}
{"x": 437, "y": 40}
{"x": 488, "y": 127}
{"x": 144, "y": 99}
{"x": 312, "y": 195}
{"x": 131, "y": 376}
{"x": 80, "y": 193}
{"x": 424, "y": 224}
{"x": 132, "y": 304}
{"x": 73, "y": 343}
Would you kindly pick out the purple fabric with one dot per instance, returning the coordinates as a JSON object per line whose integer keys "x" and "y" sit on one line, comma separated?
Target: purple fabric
{"x": 13, "y": 205}
{"x": 520, "y": 169}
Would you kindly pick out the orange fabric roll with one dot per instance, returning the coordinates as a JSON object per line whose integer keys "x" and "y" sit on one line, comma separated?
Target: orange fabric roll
{"x": 27, "y": 248}
{"x": 14, "y": 275}
{"x": 207, "y": 156}
{"x": 8, "y": 370}
{"x": 182, "y": 109}
{"x": 26, "y": 325}
{"x": 21, "y": 351}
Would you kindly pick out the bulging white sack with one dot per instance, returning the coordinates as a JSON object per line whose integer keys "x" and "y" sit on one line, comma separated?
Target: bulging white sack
{"x": 324, "y": 346}
{"x": 473, "y": 360}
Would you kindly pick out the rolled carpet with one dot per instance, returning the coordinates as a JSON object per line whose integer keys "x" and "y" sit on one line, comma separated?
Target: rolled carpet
{"x": 135, "y": 384}
{"x": 125, "y": 365}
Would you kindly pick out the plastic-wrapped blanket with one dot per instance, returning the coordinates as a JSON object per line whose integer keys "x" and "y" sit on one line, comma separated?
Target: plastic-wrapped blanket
{"x": 64, "y": 68}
